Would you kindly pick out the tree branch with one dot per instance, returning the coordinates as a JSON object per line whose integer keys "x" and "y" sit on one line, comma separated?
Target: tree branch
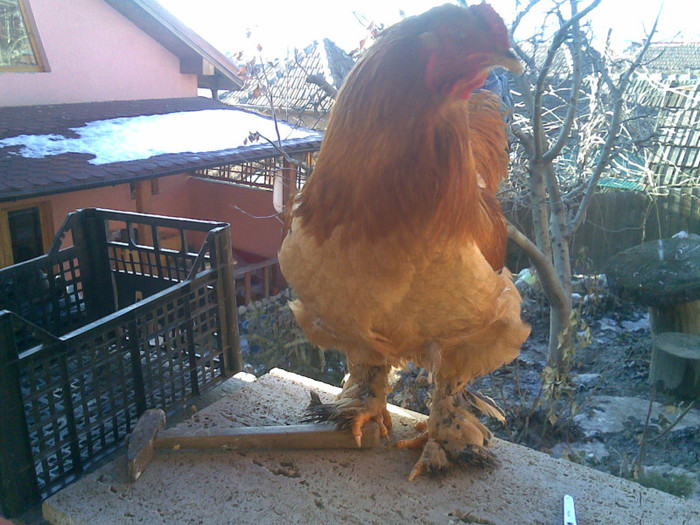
{"x": 558, "y": 39}
{"x": 572, "y": 109}
{"x": 524, "y": 138}
{"x": 613, "y": 130}
{"x": 529, "y": 60}
{"x": 295, "y": 162}
{"x": 548, "y": 276}
{"x": 519, "y": 17}
{"x": 317, "y": 79}
{"x": 321, "y": 82}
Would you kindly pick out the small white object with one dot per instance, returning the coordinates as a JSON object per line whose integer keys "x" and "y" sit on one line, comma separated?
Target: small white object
{"x": 278, "y": 192}
{"x": 569, "y": 511}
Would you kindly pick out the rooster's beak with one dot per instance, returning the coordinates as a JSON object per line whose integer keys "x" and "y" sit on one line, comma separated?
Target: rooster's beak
{"x": 507, "y": 60}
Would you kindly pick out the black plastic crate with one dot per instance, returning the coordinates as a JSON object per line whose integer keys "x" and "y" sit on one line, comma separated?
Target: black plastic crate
{"x": 127, "y": 318}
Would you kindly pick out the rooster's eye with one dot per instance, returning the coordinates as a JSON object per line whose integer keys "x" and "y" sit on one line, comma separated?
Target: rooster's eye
{"x": 454, "y": 32}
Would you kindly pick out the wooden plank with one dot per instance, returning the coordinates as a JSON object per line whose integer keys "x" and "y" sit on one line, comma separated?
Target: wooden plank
{"x": 140, "y": 450}
{"x": 248, "y": 291}
{"x": 286, "y": 437}
{"x": 266, "y": 281}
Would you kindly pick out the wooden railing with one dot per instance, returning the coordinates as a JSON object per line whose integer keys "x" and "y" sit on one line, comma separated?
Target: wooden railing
{"x": 256, "y": 280}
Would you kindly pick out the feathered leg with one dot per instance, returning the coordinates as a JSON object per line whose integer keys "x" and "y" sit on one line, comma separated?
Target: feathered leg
{"x": 363, "y": 399}
{"x": 453, "y": 433}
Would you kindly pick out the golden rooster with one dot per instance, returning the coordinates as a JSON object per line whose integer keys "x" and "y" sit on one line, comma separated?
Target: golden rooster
{"x": 396, "y": 244}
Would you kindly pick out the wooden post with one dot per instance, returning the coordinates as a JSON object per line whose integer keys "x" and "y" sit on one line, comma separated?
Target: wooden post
{"x": 18, "y": 483}
{"x": 266, "y": 282}
{"x": 248, "y": 289}
{"x": 144, "y": 204}
{"x": 228, "y": 311}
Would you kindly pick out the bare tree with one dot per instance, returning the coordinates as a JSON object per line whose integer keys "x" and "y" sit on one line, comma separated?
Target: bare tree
{"x": 567, "y": 127}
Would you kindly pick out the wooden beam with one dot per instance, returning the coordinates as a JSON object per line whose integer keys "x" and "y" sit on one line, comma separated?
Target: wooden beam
{"x": 191, "y": 65}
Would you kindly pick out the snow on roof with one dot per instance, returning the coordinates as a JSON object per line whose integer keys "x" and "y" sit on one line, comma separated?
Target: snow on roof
{"x": 136, "y": 138}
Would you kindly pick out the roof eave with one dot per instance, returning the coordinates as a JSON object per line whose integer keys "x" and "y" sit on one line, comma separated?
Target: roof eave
{"x": 306, "y": 146}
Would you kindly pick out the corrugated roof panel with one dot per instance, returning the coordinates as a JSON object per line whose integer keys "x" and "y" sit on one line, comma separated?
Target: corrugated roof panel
{"x": 693, "y": 158}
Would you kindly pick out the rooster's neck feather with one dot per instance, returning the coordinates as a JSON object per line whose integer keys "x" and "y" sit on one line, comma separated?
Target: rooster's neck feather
{"x": 399, "y": 159}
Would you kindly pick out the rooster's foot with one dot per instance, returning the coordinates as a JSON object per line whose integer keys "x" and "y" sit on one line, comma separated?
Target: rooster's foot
{"x": 453, "y": 435}
{"x": 417, "y": 442}
{"x": 363, "y": 399}
{"x": 436, "y": 459}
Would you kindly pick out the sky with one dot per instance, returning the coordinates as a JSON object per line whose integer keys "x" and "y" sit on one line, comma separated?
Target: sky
{"x": 282, "y": 25}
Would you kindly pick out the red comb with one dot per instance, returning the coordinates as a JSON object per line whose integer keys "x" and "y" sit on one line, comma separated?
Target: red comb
{"x": 494, "y": 22}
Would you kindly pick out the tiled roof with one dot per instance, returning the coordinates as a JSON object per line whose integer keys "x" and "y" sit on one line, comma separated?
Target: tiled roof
{"x": 22, "y": 177}
{"x": 674, "y": 157}
{"x": 287, "y": 81}
{"x": 674, "y": 58}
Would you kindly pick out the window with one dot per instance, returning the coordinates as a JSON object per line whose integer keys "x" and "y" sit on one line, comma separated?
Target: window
{"x": 20, "y": 48}
{"x": 25, "y": 232}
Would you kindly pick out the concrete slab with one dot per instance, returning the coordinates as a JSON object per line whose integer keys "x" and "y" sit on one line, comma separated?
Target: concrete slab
{"x": 347, "y": 486}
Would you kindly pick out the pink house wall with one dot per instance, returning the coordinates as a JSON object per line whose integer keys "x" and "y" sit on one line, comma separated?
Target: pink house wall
{"x": 94, "y": 54}
{"x": 256, "y": 229}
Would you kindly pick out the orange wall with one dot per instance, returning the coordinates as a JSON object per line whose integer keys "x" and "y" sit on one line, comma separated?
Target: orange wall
{"x": 113, "y": 197}
{"x": 217, "y": 201}
{"x": 180, "y": 196}
{"x": 172, "y": 199}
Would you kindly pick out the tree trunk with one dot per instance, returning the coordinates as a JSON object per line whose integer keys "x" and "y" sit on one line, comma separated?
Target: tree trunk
{"x": 561, "y": 334}
{"x": 538, "y": 197}
{"x": 683, "y": 317}
{"x": 559, "y": 297}
{"x": 675, "y": 362}
{"x": 550, "y": 227}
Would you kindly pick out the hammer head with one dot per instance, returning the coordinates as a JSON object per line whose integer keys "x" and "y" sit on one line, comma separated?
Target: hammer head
{"x": 140, "y": 449}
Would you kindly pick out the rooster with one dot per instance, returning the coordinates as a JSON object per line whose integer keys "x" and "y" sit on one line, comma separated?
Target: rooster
{"x": 396, "y": 245}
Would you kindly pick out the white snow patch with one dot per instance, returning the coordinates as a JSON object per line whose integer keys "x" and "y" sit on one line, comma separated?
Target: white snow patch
{"x": 136, "y": 138}
{"x": 633, "y": 326}
{"x": 610, "y": 414}
{"x": 608, "y": 324}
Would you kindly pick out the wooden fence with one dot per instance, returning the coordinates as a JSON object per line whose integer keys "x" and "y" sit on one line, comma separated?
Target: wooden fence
{"x": 618, "y": 220}
{"x": 257, "y": 281}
